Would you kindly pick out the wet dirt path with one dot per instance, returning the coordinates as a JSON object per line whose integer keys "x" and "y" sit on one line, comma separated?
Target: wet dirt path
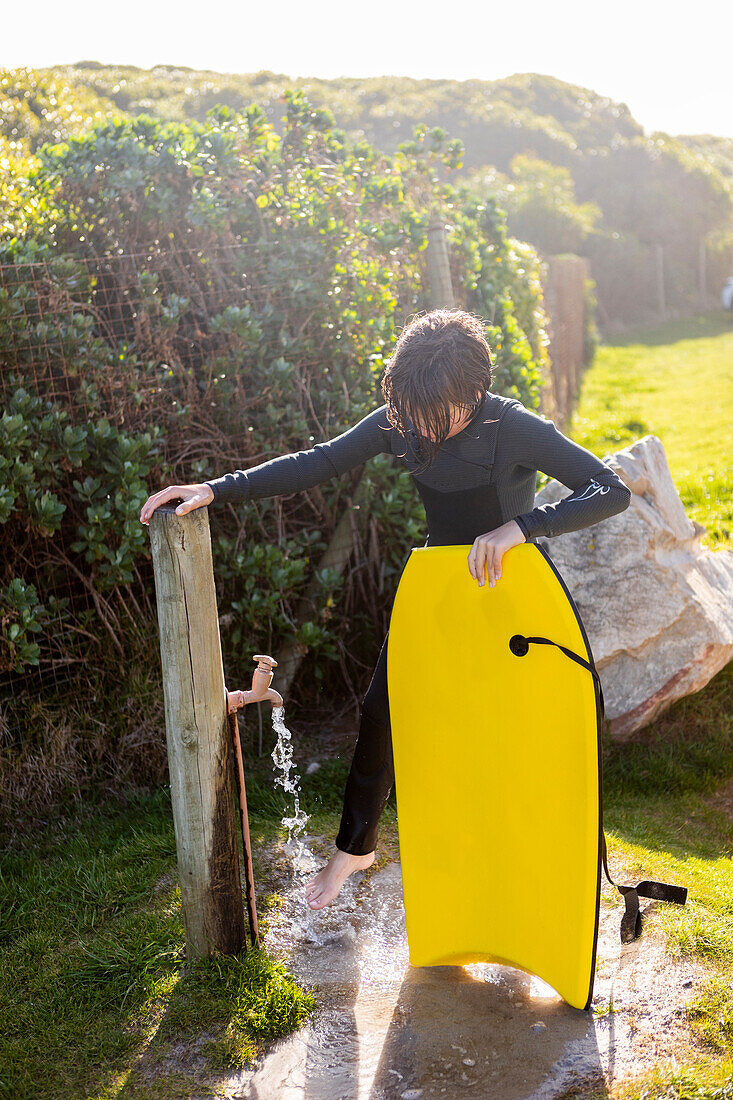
{"x": 385, "y": 1030}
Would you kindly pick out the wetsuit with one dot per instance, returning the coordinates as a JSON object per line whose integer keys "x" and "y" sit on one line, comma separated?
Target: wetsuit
{"x": 481, "y": 477}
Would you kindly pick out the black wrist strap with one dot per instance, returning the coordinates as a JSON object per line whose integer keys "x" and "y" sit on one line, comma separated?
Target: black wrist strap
{"x": 631, "y": 922}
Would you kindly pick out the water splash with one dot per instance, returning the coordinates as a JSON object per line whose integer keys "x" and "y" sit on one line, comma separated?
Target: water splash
{"x": 282, "y": 757}
{"x": 303, "y": 924}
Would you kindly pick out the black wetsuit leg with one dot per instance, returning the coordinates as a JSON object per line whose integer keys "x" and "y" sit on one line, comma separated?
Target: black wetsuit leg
{"x": 372, "y": 769}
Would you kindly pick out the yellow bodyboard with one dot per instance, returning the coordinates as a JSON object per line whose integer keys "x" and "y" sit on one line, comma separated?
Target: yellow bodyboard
{"x": 497, "y": 769}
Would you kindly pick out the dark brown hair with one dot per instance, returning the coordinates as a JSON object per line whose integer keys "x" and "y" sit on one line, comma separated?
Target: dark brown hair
{"x": 441, "y": 359}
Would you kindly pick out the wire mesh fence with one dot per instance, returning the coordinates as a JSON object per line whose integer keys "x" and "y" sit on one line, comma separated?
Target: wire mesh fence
{"x": 119, "y": 374}
{"x": 122, "y": 373}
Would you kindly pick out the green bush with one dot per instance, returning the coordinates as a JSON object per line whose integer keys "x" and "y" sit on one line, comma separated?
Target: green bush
{"x": 191, "y": 298}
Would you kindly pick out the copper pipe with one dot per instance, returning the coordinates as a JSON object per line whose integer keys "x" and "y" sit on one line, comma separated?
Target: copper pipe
{"x": 260, "y": 691}
{"x": 249, "y": 878}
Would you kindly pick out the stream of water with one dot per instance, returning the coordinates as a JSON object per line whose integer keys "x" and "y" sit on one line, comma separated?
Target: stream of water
{"x": 282, "y": 757}
{"x": 305, "y": 925}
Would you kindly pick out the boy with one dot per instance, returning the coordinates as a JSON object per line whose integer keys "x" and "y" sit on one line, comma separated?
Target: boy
{"x": 473, "y": 456}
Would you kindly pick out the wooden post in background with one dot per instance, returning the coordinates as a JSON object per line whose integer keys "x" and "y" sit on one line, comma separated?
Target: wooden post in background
{"x": 564, "y": 298}
{"x": 199, "y": 749}
{"x": 439, "y": 295}
{"x": 440, "y": 284}
{"x": 661, "y": 296}
{"x": 335, "y": 557}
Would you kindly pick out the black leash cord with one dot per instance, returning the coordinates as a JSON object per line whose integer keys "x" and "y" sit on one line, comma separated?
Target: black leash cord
{"x": 631, "y": 922}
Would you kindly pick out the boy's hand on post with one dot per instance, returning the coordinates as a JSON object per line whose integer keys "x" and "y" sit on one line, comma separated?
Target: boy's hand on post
{"x": 192, "y": 496}
{"x": 487, "y": 551}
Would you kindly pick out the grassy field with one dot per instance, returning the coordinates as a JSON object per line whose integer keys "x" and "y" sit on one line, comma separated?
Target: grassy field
{"x": 94, "y": 993}
{"x": 92, "y": 974}
{"x": 668, "y": 798}
{"x": 675, "y": 382}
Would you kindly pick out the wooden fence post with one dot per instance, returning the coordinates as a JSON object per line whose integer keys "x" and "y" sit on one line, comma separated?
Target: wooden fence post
{"x": 334, "y": 557}
{"x": 564, "y": 295}
{"x": 440, "y": 284}
{"x": 661, "y": 296}
{"x": 200, "y": 756}
{"x": 439, "y": 294}
{"x": 702, "y": 256}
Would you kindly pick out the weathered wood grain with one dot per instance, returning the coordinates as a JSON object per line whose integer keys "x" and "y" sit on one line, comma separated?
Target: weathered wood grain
{"x": 199, "y": 748}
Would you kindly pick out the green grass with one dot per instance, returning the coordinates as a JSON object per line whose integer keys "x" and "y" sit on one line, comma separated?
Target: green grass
{"x": 675, "y": 382}
{"x": 707, "y": 1081}
{"x": 94, "y": 988}
{"x": 93, "y": 979}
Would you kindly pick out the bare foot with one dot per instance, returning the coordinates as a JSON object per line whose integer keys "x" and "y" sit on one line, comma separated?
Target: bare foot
{"x": 324, "y": 886}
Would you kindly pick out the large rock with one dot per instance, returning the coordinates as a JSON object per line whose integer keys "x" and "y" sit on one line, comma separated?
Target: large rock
{"x": 656, "y": 605}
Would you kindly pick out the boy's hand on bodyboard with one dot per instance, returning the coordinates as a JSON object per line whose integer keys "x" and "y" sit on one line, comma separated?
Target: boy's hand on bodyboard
{"x": 487, "y": 551}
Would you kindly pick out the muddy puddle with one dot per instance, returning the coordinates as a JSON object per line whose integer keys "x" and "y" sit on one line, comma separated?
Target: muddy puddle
{"x": 385, "y": 1030}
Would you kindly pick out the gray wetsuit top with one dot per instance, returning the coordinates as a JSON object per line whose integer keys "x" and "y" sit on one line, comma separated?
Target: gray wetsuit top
{"x": 485, "y": 474}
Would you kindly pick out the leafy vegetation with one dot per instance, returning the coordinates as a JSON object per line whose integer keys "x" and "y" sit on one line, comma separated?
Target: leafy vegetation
{"x": 184, "y": 298}
{"x": 567, "y": 164}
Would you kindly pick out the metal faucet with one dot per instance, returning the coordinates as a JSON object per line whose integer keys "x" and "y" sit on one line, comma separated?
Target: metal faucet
{"x": 261, "y": 690}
